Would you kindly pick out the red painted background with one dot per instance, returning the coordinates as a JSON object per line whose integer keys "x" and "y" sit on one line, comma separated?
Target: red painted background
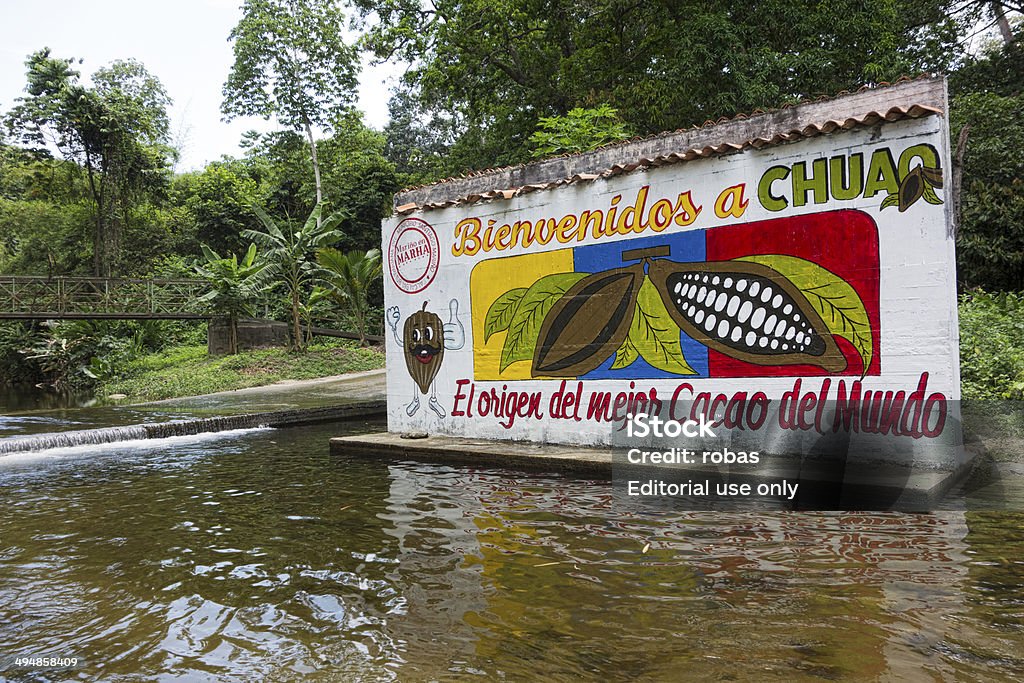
{"x": 844, "y": 242}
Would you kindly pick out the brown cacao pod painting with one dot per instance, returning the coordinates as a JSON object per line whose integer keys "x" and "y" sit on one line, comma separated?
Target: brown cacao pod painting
{"x": 767, "y": 310}
{"x": 588, "y": 323}
{"x": 920, "y": 182}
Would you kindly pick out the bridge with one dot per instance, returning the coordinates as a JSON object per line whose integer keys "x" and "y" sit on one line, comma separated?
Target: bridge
{"x": 68, "y": 298}
{"x": 28, "y": 297}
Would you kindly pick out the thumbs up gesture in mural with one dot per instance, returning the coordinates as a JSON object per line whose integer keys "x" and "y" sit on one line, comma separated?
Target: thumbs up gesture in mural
{"x": 393, "y": 316}
{"x": 454, "y": 332}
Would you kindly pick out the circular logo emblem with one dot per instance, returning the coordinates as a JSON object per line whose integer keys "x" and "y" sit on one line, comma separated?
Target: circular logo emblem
{"x": 413, "y": 255}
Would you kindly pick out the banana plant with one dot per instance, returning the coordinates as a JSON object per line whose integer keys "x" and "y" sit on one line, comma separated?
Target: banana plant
{"x": 235, "y": 286}
{"x": 346, "y": 279}
{"x": 291, "y": 253}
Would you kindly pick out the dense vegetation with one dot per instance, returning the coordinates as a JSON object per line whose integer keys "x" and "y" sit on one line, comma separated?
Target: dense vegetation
{"x": 88, "y": 186}
{"x": 991, "y": 347}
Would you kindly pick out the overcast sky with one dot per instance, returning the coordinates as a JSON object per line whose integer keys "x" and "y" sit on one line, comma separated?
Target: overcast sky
{"x": 184, "y": 43}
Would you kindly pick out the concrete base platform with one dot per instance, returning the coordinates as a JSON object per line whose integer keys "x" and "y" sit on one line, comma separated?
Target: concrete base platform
{"x": 448, "y": 449}
{"x": 900, "y": 487}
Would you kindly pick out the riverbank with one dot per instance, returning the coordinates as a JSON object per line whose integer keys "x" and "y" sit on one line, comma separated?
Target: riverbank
{"x": 184, "y": 371}
{"x": 308, "y": 400}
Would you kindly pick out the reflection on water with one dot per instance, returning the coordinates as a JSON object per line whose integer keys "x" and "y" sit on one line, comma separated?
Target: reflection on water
{"x": 21, "y": 397}
{"x": 263, "y": 557}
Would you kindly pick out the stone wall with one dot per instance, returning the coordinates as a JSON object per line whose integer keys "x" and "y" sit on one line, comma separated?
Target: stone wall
{"x": 252, "y": 334}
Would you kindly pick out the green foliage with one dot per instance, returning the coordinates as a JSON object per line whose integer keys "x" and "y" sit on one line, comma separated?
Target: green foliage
{"x": 347, "y": 280}
{"x": 497, "y": 68}
{"x": 39, "y": 237}
{"x": 290, "y": 63}
{"x": 46, "y": 218}
{"x": 71, "y": 355}
{"x": 234, "y": 286}
{"x": 580, "y": 130}
{"x": 418, "y": 146}
{"x": 992, "y": 345}
{"x": 990, "y": 241}
{"x": 282, "y": 158}
{"x": 998, "y": 69}
{"x": 361, "y": 180}
{"x": 217, "y": 203}
{"x": 188, "y": 371}
{"x": 115, "y": 131}
{"x": 15, "y": 339}
{"x": 291, "y": 255}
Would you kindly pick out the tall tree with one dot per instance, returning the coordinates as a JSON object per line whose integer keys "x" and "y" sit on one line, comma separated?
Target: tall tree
{"x": 116, "y": 131}
{"x": 501, "y": 66}
{"x": 291, "y": 63}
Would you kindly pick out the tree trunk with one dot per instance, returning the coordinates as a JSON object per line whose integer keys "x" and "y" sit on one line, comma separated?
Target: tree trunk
{"x": 233, "y": 335}
{"x": 296, "y": 321}
{"x": 106, "y": 244}
{"x": 316, "y": 168}
{"x": 360, "y": 315}
{"x": 1004, "y": 24}
{"x": 956, "y": 182}
{"x": 99, "y": 238}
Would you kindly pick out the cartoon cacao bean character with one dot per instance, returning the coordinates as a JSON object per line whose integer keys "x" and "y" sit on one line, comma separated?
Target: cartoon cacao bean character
{"x": 423, "y": 341}
{"x": 747, "y": 311}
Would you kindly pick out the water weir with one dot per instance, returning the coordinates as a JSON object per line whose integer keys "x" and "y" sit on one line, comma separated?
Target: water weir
{"x": 161, "y": 430}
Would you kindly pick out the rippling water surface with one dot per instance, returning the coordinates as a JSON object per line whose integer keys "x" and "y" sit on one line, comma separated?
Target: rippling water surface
{"x": 258, "y": 555}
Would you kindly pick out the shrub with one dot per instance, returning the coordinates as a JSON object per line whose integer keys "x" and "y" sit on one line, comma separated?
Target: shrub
{"x": 992, "y": 345}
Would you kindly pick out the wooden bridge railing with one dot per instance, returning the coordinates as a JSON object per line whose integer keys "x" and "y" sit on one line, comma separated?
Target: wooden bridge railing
{"x": 43, "y": 298}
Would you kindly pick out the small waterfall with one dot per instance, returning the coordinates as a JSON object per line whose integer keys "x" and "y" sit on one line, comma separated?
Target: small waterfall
{"x": 81, "y": 437}
{"x": 163, "y": 430}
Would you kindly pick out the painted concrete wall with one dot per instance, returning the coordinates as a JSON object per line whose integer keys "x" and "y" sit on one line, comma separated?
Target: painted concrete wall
{"x": 824, "y": 267}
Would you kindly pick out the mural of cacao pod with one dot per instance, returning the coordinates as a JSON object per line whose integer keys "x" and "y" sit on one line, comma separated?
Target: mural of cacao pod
{"x": 423, "y": 339}
{"x": 747, "y": 311}
{"x": 911, "y": 189}
{"x": 589, "y": 322}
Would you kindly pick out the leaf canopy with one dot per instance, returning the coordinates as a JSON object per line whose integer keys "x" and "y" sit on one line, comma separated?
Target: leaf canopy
{"x": 291, "y": 62}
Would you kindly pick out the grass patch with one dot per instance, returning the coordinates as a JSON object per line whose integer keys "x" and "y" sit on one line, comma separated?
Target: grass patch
{"x": 189, "y": 371}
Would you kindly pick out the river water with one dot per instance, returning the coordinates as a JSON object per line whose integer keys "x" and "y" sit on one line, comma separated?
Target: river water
{"x": 257, "y": 555}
